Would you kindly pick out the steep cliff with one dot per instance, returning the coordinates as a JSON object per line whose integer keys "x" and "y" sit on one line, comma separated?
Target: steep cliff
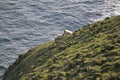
{"x": 90, "y": 53}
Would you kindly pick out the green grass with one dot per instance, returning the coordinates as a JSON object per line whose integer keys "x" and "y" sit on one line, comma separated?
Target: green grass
{"x": 91, "y": 53}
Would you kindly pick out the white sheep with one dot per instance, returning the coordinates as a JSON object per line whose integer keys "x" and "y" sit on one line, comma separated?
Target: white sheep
{"x": 59, "y": 36}
{"x": 66, "y": 32}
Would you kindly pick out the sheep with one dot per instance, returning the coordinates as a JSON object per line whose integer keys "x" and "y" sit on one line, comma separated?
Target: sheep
{"x": 59, "y": 36}
{"x": 66, "y": 32}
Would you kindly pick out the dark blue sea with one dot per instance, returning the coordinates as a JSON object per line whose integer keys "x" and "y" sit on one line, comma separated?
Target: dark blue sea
{"x": 27, "y": 23}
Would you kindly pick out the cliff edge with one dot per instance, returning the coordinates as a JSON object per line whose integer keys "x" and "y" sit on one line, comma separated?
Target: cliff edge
{"x": 90, "y": 53}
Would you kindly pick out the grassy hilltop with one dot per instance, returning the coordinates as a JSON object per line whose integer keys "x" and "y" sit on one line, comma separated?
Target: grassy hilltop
{"x": 91, "y": 53}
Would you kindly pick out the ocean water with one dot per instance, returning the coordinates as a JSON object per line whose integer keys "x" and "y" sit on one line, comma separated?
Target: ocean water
{"x": 27, "y": 23}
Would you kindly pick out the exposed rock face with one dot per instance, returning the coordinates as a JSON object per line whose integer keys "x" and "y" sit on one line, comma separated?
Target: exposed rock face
{"x": 91, "y": 53}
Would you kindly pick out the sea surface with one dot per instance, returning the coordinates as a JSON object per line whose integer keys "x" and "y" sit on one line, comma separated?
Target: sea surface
{"x": 27, "y": 23}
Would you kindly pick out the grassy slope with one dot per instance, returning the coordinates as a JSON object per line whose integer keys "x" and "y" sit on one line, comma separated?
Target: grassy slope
{"x": 91, "y": 53}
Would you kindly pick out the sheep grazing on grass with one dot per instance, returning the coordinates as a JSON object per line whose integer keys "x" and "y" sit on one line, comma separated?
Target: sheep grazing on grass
{"x": 59, "y": 36}
{"x": 66, "y": 32}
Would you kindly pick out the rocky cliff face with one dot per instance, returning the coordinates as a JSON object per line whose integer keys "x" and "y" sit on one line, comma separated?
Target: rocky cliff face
{"x": 90, "y": 53}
